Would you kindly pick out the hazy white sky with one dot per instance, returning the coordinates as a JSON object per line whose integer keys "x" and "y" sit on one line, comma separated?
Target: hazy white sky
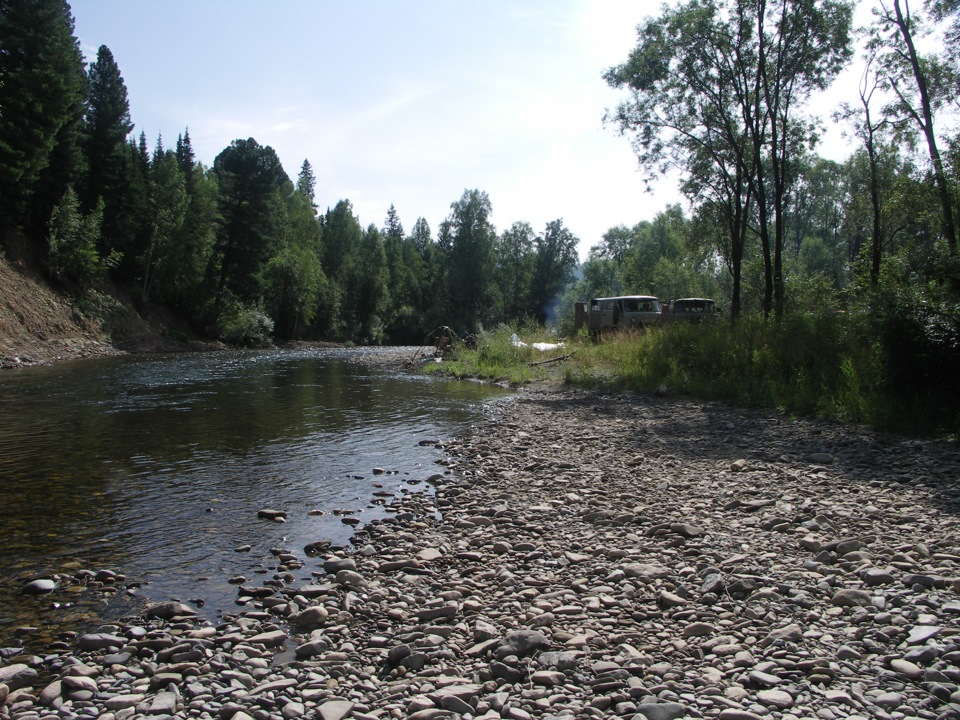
{"x": 408, "y": 102}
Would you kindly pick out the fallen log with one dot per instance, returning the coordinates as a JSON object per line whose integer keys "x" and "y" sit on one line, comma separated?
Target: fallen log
{"x": 553, "y": 360}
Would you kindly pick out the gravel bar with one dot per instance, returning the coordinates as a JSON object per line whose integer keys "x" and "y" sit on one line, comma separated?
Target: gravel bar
{"x": 583, "y": 555}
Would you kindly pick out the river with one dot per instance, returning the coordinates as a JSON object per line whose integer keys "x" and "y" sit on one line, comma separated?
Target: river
{"x": 155, "y": 467}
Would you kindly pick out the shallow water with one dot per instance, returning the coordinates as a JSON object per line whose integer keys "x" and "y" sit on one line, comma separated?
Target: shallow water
{"x": 155, "y": 467}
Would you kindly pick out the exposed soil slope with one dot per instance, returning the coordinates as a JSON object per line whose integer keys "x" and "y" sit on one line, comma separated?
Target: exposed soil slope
{"x": 40, "y": 324}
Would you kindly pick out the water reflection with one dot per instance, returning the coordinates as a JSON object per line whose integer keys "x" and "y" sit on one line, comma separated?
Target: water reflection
{"x": 157, "y": 466}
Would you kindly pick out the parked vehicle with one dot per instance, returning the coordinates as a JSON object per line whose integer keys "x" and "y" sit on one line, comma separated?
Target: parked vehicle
{"x": 692, "y": 310}
{"x": 622, "y": 312}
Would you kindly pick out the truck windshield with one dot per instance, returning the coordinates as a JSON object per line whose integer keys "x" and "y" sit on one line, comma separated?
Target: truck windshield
{"x": 634, "y": 305}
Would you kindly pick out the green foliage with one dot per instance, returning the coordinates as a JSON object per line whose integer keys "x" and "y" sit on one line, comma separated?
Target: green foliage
{"x": 470, "y": 262}
{"x": 889, "y": 367}
{"x": 411, "y": 309}
{"x": 923, "y": 85}
{"x": 515, "y": 265}
{"x": 307, "y": 183}
{"x": 112, "y": 176}
{"x": 193, "y": 245}
{"x": 241, "y": 251}
{"x": 42, "y": 87}
{"x": 252, "y": 184}
{"x": 246, "y": 326}
{"x": 108, "y": 124}
{"x": 915, "y": 330}
{"x": 715, "y": 89}
{"x": 496, "y": 357}
{"x": 73, "y": 242}
{"x": 164, "y": 258}
{"x": 294, "y": 283}
{"x": 366, "y": 294}
{"x": 341, "y": 238}
{"x": 555, "y": 258}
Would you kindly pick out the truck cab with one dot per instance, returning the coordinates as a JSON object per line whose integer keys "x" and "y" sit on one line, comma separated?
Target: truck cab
{"x": 693, "y": 310}
{"x": 622, "y": 312}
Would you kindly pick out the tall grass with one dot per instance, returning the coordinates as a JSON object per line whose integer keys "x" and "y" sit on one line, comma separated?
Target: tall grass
{"x": 829, "y": 364}
{"x": 826, "y": 364}
{"x": 497, "y": 358}
{"x": 795, "y": 365}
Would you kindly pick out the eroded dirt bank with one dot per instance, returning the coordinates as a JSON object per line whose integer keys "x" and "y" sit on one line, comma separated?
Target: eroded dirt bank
{"x": 584, "y": 556}
{"x": 40, "y": 325}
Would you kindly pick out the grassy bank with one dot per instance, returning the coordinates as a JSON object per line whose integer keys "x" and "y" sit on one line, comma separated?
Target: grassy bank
{"x": 824, "y": 365}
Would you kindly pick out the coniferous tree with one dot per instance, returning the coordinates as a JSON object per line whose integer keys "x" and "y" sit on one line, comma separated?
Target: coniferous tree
{"x": 341, "y": 238}
{"x": 142, "y": 155}
{"x": 406, "y": 272}
{"x": 184, "y": 153}
{"x": 42, "y": 86}
{"x": 393, "y": 227}
{"x": 250, "y": 178}
{"x": 108, "y": 124}
{"x": 429, "y": 270}
{"x": 73, "y": 241}
{"x": 307, "y": 183}
{"x": 421, "y": 236}
{"x": 367, "y": 294}
{"x": 112, "y": 175}
{"x": 295, "y": 285}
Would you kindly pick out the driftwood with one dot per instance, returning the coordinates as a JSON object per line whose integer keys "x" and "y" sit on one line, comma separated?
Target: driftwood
{"x": 553, "y": 360}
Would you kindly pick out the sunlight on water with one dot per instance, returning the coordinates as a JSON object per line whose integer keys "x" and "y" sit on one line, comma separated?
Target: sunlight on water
{"x": 156, "y": 466}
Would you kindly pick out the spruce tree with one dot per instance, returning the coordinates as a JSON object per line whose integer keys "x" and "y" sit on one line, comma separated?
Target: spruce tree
{"x": 142, "y": 155}
{"x": 41, "y": 87}
{"x": 108, "y": 124}
{"x": 307, "y": 183}
{"x": 392, "y": 227}
{"x": 186, "y": 159}
{"x": 184, "y": 152}
{"x": 251, "y": 178}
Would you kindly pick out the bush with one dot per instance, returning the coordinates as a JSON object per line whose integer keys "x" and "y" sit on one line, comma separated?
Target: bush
{"x": 247, "y": 327}
{"x": 916, "y": 331}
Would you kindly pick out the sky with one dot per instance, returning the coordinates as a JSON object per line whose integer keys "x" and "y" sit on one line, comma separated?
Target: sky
{"x": 402, "y": 102}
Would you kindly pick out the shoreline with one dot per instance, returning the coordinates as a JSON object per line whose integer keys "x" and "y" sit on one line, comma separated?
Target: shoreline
{"x": 62, "y": 350}
{"x": 584, "y": 555}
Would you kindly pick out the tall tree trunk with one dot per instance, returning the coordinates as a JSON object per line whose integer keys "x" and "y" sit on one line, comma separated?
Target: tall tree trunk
{"x": 758, "y": 126}
{"x": 877, "y": 240}
{"x": 925, "y": 120}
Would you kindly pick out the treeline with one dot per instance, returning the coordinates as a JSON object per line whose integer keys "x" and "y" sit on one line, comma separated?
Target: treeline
{"x": 716, "y": 91}
{"x": 238, "y": 248}
{"x": 851, "y": 269}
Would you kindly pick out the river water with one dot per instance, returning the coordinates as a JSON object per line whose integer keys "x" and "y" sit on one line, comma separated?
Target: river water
{"x": 155, "y": 467}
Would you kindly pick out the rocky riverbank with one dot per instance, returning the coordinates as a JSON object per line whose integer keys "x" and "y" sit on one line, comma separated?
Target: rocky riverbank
{"x": 589, "y": 556}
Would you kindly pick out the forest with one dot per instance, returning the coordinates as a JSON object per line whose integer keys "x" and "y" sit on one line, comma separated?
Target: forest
{"x": 718, "y": 92}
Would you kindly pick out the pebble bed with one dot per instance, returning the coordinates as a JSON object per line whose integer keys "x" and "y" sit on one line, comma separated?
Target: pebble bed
{"x": 583, "y": 556}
